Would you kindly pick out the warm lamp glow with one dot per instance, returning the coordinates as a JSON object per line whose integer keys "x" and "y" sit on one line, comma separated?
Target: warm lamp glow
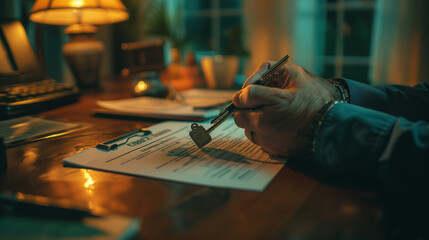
{"x": 141, "y": 87}
{"x": 67, "y": 12}
{"x": 83, "y": 52}
{"x": 76, "y": 3}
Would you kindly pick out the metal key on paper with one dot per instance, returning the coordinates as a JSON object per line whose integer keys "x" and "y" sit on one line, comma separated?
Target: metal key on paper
{"x": 199, "y": 135}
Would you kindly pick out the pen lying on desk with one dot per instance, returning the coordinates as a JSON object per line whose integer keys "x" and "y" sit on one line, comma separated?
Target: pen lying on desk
{"x": 201, "y": 136}
{"x": 29, "y": 205}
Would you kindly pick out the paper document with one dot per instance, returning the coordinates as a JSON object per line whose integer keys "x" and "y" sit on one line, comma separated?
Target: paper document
{"x": 199, "y": 104}
{"x": 206, "y": 98}
{"x": 229, "y": 161}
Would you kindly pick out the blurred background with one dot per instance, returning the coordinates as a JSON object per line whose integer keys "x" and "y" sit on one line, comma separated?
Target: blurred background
{"x": 372, "y": 41}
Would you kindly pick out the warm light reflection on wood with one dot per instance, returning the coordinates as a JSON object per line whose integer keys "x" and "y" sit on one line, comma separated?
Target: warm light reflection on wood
{"x": 89, "y": 187}
{"x": 30, "y": 157}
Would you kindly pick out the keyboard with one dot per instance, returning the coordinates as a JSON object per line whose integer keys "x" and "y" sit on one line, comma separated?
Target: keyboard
{"x": 33, "y": 97}
{"x": 25, "y": 86}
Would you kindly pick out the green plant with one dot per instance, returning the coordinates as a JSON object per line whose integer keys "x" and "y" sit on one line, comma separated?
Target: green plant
{"x": 131, "y": 30}
{"x": 159, "y": 23}
{"x": 235, "y": 42}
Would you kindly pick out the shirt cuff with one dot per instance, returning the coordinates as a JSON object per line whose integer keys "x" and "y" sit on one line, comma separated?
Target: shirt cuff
{"x": 351, "y": 139}
{"x": 367, "y": 96}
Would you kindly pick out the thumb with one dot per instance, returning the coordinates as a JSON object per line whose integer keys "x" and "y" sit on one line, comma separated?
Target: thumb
{"x": 256, "y": 75}
{"x": 254, "y": 96}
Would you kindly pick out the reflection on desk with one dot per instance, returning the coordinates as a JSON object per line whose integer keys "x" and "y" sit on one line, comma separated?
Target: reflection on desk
{"x": 34, "y": 217}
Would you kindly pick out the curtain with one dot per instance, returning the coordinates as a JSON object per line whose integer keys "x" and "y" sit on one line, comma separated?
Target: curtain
{"x": 277, "y": 27}
{"x": 400, "y": 53}
{"x": 309, "y": 35}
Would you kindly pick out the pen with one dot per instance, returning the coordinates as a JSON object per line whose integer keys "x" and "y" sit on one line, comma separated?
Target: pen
{"x": 176, "y": 94}
{"x": 29, "y": 205}
{"x": 264, "y": 81}
{"x": 110, "y": 145}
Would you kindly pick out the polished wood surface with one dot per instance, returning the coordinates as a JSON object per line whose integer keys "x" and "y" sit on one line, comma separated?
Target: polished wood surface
{"x": 295, "y": 205}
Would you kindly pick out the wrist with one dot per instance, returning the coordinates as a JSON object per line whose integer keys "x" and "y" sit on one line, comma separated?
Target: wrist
{"x": 341, "y": 90}
{"x": 315, "y": 126}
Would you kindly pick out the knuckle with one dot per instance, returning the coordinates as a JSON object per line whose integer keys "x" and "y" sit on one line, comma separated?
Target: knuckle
{"x": 239, "y": 119}
{"x": 246, "y": 93}
{"x": 248, "y": 90}
{"x": 253, "y": 90}
{"x": 236, "y": 99}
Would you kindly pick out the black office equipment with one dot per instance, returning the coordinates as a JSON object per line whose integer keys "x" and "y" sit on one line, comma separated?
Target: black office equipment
{"x": 26, "y": 88}
{"x": 143, "y": 57}
{"x": 144, "y": 61}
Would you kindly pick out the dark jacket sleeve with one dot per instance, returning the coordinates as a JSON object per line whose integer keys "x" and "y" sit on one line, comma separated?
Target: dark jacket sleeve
{"x": 411, "y": 103}
{"x": 383, "y": 135}
{"x": 354, "y": 140}
{"x": 380, "y": 125}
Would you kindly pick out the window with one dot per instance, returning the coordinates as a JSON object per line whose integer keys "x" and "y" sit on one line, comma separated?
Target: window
{"x": 348, "y": 38}
{"x": 211, "y": 24}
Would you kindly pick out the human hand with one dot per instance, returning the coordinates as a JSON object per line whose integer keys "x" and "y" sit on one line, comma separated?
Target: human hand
{"x": 278, "y": 117}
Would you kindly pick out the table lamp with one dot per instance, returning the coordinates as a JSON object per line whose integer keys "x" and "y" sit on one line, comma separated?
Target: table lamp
{"x": 83, "y": 52}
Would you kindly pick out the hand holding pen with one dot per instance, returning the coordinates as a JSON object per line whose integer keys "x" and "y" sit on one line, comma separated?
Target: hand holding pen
{"x": 279, "y": 118}
{"x": 201, "y": 136}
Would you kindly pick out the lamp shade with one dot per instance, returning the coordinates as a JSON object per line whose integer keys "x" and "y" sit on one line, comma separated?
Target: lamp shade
{"x": 67, "y": 12}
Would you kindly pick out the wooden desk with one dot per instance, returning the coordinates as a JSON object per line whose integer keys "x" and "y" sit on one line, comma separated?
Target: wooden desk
{"x": 294, "y": 205}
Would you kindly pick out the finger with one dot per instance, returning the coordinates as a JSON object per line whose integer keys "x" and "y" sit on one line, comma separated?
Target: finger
{"x": 277, "y": 81}
{"x": 254, "y": 96}
{"x": 296, "y": 76}
{"x": 256, "y": 75}
{"x": 250, "y": 135}
{"x": 243, "y": 119}
{"x": 285, "y": 76}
